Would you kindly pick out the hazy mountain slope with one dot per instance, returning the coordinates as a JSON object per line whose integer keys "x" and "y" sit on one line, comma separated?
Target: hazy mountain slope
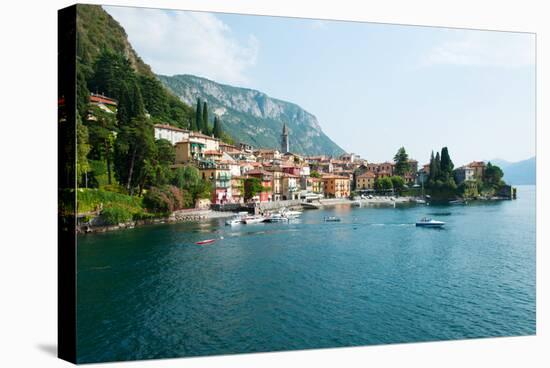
{"x": 252, "y": 117}
{"x": 521, "y": 173}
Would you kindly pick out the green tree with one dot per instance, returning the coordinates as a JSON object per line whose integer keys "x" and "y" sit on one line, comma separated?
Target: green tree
{"x": 198, "y": 116}
{"x": 398, "y": 183}
{"x": 218, "y": 132}
{"x": 205, "y": 126}
{"x": 437, "y": 171}
{"x": 493, "y": 175}
{"x": 102, "y": 130}
{"x": 383, "y": 184}
{"x": 156, "y": 169}
{"x": 315, "y": 174}
{"x": 134, "y": 145}
{"x": 447, "y": 165}
{"x": 155, "y": 98}
{"x": 114, "y": 76}
{"x": 188, "y": 179}
{"x": 401, "y": 160}
{"x": 82, "y": 92}
{"x": 252, "y": 187}
{"x": 82, "y": 150}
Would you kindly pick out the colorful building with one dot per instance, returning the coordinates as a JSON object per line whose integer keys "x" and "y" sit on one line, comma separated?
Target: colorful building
{"x": 290, "y": 186}
{"x": 266, "y": 179}
{"x": 365, "y": 181}
{"x": 336, "y": 186}
{"x": 219, "y": 175}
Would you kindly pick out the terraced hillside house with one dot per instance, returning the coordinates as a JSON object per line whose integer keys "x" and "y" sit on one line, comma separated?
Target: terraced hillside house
{"x": 170, "y": 133}
{"x": 219, "y": 175}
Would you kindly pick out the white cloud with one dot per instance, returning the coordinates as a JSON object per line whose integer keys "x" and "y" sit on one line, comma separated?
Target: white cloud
{"x": 182, "y": 42}
{"x": 483, "y": 48}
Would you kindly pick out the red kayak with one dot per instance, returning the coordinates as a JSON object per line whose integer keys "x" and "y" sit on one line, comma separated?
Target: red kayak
{"x": 207, "y": 241}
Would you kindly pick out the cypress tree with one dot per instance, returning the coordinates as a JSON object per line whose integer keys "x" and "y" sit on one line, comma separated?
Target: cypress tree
{"x": 431, "y": 176}
{"x": 205, "y": 127}
{"x": 198, "y": 116}
{"x": 437, "y": 165}
{"x": 217, "y": 127}
{"x": 447, "y": 165}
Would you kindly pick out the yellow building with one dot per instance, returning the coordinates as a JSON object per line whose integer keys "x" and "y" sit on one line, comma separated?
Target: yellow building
{"x": 336, "y": 186}
{"x": 365, "y": 181}
{"x": 189, "y": 150}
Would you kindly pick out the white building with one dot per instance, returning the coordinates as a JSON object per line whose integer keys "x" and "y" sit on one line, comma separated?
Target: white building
{"x": 170, "y": 133}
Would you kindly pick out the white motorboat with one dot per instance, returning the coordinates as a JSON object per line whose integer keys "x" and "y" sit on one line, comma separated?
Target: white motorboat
{"x": 276, "y": 217}
{"x": 290, "y": 214}
{"x": 420, "y": 201}
{"x": 236, "y": 219}
{"x": 428, "y": 222}
{"x": 331, "y": 219}
{"x": 253, "y": 219}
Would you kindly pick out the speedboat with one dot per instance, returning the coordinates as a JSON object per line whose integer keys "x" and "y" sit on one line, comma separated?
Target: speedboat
{"x": 331, "y": 219}
{"x": 290, "y": 214}
{"x": 253, "y": 219}
{"x": 236, "y": 219}
{"x": 428, "y": 222}
{"x": 276, "y": 217}
{"x": 420, "y": 201}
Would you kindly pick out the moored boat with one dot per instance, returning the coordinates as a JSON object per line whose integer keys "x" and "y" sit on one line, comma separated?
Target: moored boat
{"x": 290, "y": 213}
{"x": 331, "y": 219}
{"x": 428, "y": 222}
{"x": 236, "y": 219}
{"x": 276, "y": 217}
{"x": 253, "y": 219}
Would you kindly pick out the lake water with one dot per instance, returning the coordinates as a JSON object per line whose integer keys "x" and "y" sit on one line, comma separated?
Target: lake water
{"x": 373, "y": 278}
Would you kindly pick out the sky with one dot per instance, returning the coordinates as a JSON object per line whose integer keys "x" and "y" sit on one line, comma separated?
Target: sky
{"x": 373, "y": 87}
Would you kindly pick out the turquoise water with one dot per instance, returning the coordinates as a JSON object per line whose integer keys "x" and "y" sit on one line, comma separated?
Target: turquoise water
{"x": 373, "y": 278}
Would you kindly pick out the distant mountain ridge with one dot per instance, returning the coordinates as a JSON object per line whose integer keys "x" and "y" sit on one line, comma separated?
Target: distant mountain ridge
{"x": 252, "y": 117}
{"x": 518, "y": 173}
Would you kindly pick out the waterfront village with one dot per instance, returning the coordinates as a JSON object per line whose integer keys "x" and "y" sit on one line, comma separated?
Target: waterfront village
{"x": 287, "y": 178}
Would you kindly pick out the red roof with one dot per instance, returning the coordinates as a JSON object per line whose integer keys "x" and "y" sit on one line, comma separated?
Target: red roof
{"x": 102, "y": 99}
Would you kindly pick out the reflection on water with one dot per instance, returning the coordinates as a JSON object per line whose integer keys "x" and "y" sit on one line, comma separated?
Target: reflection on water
{"x": 372, "y": 278}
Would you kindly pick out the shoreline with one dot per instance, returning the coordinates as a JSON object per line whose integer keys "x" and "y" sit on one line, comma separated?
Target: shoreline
{"x": 196, "y": 215}
{"x": 176, "y": 217}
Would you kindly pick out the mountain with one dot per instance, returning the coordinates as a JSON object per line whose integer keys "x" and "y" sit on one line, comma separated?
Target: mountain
{"x": 518, "y": 173}
{"x": 104, "y": 55}
{"x": 98, "y": 31}
{"x": 503, "y": 164}
{"x": 253, "y": 117}
{"x": 522, "y": 172}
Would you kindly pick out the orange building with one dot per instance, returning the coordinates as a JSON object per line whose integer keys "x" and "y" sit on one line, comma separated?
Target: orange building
{"x": 336, "y": 186}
